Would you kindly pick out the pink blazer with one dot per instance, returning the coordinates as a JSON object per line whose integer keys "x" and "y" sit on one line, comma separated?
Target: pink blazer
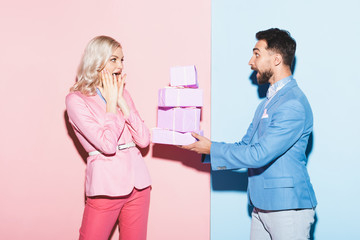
{"x": 116, "y": 172}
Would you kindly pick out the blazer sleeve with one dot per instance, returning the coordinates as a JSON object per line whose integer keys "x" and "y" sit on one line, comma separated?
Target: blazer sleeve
{"x": 103, "y": 136}
{"x": 206, "y": 158}
{"x": 286, "y": 127}
{"x": 139, "y": 131}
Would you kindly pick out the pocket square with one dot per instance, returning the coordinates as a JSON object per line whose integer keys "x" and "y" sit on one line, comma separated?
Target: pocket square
{"x": 265, "y": 115}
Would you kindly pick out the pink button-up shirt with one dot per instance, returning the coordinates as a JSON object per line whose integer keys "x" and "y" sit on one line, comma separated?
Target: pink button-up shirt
{"x": 113, "y": 172}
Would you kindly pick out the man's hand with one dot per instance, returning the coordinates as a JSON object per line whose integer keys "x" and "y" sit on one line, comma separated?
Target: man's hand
{"x": 202, "y": 146}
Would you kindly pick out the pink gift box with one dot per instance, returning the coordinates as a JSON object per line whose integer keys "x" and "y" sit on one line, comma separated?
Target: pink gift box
{"x": 179, "y": 119}
{"x": 180, "y": 97}
{"x": 164, "y": 136}
{"x": 183, "y": 76}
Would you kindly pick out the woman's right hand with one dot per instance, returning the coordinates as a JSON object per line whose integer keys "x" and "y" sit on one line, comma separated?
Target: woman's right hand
{"x": 109, "y": 90}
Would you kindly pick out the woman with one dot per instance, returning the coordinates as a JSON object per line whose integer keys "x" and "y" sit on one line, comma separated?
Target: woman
{"x": 108, "y": 126}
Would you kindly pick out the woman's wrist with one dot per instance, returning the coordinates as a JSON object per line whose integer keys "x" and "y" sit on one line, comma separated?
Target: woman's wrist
{"x": 111, "y": 107}
{"x": 124, "y": 107}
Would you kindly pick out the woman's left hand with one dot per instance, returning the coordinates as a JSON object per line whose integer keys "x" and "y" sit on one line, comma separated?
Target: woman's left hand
{"x": 122, "y": 104}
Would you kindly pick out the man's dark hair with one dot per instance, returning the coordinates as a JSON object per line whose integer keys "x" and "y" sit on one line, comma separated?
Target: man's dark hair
{"x": 280, "y": 42}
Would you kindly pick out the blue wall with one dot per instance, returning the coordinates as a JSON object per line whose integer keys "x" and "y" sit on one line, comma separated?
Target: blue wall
{"x": 327, "y": 69}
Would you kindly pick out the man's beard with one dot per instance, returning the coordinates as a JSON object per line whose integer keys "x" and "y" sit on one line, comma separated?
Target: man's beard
{"x": 264, "y": 77}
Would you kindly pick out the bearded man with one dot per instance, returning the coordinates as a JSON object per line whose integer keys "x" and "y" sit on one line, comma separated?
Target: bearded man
{"x": 273, "y": 149}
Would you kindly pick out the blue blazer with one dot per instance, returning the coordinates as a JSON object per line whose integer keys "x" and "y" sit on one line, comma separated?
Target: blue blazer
{"x": 273, "y": 150}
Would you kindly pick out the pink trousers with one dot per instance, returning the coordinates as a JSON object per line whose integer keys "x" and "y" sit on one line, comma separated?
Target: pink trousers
{"x": 101, "y": 214}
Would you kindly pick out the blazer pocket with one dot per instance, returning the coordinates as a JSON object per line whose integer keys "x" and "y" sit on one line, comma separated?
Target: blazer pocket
{"x": 279, "y": 182}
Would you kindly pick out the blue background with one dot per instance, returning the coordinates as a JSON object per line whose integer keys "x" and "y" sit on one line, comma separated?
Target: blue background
{"x": 327, "y": 70}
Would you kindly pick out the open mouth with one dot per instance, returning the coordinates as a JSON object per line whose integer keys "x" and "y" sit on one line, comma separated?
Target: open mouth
{"x": 116, "y": 75}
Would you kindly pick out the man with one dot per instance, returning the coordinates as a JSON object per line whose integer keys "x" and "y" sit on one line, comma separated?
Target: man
{"x": 274, "y": 146}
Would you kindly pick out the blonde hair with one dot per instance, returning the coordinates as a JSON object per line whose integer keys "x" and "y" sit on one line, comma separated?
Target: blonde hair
{"x": 96, "y": 54}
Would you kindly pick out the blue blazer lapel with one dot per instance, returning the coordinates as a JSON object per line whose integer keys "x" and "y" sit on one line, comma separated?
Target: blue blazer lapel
{"x": 257, "y": 118}
{"x": 259, "y": 114}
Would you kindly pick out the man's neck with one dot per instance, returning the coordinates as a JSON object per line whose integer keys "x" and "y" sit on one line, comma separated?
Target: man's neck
{"x": 279, "y": 75}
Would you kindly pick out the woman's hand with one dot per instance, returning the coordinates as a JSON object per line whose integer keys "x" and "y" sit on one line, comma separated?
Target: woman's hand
{"x": 109, "y": 90}
{"x": 124, "y": 107}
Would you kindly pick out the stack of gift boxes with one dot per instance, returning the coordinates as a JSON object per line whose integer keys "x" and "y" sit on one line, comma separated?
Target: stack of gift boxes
{"x": 179, "y": 108}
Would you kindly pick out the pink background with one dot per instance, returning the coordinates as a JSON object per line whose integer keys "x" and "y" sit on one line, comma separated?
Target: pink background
{"x": 41, "y": 169}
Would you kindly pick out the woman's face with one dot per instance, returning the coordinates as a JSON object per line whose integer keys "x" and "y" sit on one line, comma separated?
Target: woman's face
{"x": 115, "y": 63}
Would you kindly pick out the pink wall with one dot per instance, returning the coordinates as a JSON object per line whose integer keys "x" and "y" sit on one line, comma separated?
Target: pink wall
{"x": 41, "y": 172}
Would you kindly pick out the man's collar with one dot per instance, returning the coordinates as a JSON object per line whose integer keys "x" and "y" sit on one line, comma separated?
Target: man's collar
{"x": 277, "y": 86}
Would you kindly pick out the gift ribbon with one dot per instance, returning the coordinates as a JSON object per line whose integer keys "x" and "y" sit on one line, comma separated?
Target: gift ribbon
{"x": 183, "y": 122}
{"x": 173, "y": 137}
{"x": 162, "y": 96}
{"x": 196, "y": 122}
{"x": 174, "y": 119}
{"x": 178, "y": 97}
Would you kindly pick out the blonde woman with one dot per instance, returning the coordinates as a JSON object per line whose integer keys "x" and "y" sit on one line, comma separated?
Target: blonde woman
{"x": 108, "y": 126}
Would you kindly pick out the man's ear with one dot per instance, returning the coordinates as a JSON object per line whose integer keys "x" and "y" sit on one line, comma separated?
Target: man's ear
{"x": 277, "y": 59}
